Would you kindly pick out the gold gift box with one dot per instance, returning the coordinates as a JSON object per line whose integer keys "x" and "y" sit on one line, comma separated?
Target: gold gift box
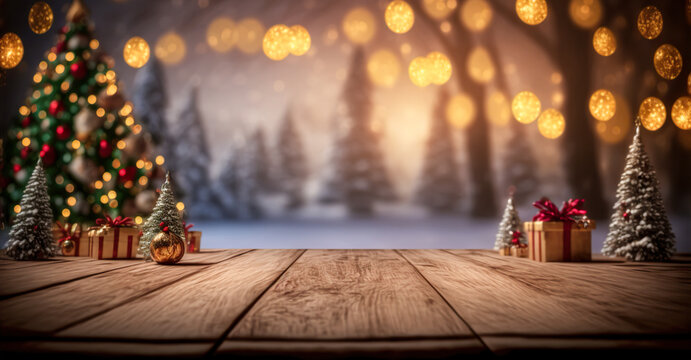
{"x": 194, "y": 241}
{"x": 547, "y": 241}
{"x": 81, "y": 244}
{"x": 114, "y": 242}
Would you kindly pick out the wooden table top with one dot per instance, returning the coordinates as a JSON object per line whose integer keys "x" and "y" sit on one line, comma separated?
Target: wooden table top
{"x": 331, "y": 303}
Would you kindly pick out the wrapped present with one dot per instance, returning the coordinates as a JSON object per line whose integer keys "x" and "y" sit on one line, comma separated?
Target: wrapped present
{"x": 114, "y": 238}
{"x": 193, "y": 238}
{"x": 519, "y": 250}
{"x": 71, "y": 239}
{"x": 559, "y": 235}
{"x": 505, "y": 251}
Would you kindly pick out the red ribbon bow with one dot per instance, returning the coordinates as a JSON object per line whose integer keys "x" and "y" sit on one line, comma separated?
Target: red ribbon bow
{"x": 516, "y": 239}
{"x": 73, "y": 232}
{"x": 119, "y": 221}
{"x": 186, "y": 227}
{"x": 568, "y": 213}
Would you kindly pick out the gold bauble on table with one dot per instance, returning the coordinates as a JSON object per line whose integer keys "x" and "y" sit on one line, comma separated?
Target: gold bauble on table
{"x": 667, "y": 61}
{"x": 67, "y": 246}
{"x": 40, "y": 17}
{"x": 650, "y": 22}
{"x": 167, "y": 248}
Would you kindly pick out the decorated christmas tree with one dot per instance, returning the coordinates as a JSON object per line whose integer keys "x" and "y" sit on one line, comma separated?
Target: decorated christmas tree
{"x": 31, "y": 237}
{"x": 509, "y": 227}
{"x": 166, "y": 212}
{"x": 79, "y": 124}
{"x": 639, "y": 229}
{"x": 440, "y": 185}
{"x": 291, "y": 164}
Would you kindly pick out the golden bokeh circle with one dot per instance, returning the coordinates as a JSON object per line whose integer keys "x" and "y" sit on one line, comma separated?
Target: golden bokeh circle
{"x": 383, "y": 68}
{"x": 440, "y": 68}
{"x": 551, "y": 124}
{"x": 480, "y": 65}
{"x": 604, "y": 41}
{"x": 525, "y": 107}
{"x": 667, "y": 61}
{"x": 498, "y": 108}
{"x": 602, "y": 105}
{"x": 418, "y": 71}
{"x": 222, "y": 35}
{"x": 476, "y": 15}
{"x": 359, "y": 25}
{"x": 585, "y": 13}
{"x": 11, "y": 50}
{"x": 300, "y": 40}
{"x": 399, "y": 17}
{"x": 531, "y": 12}
{"x": 616, "y": 129}
{"x": 250, "y": 34}
{"x": 40, "y": 17}
{"x": 460, "y": 111}
{"x": 276, "y": 43}
{"x": 439, "y": 9}
{"x": 170, "y": 48}
{"x": 681, "y": 112}
{"x": 649, "y": 22}
{"x": 652, "y": 113}
{"x": 136, "y": 52}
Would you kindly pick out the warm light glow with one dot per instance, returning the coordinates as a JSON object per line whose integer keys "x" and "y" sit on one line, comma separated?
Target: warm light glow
{"x": 112, "y": 194}
{"x": 525, "y": 107}
{"x": 460, "y": 111}
{"x": 143, "y": 180}
{"x": 73, "y": 97}
{"x": 65, "y": 212}
{"x": 111, "y": 90}
{"x": 435, "y": 68}
{"x": 667, "y": 61}
{"x": 439, "y": 9}
{"x": 585, "y": 13}
{"x": 300, "y": 40}
{"x": 129, "y": 121}
{"x": 399, "y": 16}
{"x": 113, "y": 204}
{"x": 476, "y": 15}
{"x": 160, "y": 160}
{"x": 40, "y": 17}
{"x": 100, "y": 112}
{"x": 180, "y": 206}
{"x": 91, "y": 99}
{"x": 649, "y": 22}
{"x": 531, "y": 12}
{"x": 480, "y": 65}
{"x": 276, "y": 43}
{"x": 60, "y": 68}
{"x": 11, "y": 50}
{"x": 93, "y": 44}
{"x": 498, "y": 108}
{"x": 681, "y": 113}
{"x": 37, "y": 78}
{"x": 26, "y": 141}
{"x": 136, "y": 52}
{"x": 116, "y": 163}
{"x": 250, "y": 32}
{"x": 359, "y": 25}
{"x": 104, "y": 199}
{"x": 71, "y": 201}
{"x": 121, "y": 144}
{"x": 17, "y": 209}
{"x": 98, "y": 184}
{"x": 221, "y": 35}
{"x": 604, "y": 41}
{"x": 69, "y": 56}
{"x": 551, "y": 124}
{"x": 140, "y": 164}
{"x": 383, "y": 68}
{"x": 602, "y": 105}
{"x": 107, "y": 176}
{"x": 24, "y": 111}
{"x": 652, "y": 113}
{"x": 138, "y": 220}
{"x": 69, "y": 188}
{"x": 170, "y": 48}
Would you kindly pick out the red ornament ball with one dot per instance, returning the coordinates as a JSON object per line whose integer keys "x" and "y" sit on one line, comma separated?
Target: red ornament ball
{"x": 127, "y": 174}
{"x": 104, "y": 149}
{"x": 25, "y": 152}
{"x": 16, "y": 168}
{"x": 62, "y": 132}
{"x": 26, "y": 121}
{"x": 55, "y": 107}
{"x": 48, "y": 154}
{"x": 78, "y": 70}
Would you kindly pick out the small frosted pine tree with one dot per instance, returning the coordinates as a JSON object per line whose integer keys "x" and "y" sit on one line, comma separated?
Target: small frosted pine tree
{"x": 639, "y": 229}
{"x": 164, "y": 211}
{"x": 291, "y": 166}
{"x": 509, "y": 224}
{"x": 31, "y": 237}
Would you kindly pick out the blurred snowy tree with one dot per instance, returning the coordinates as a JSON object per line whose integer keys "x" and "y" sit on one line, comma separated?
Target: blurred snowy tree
{"x": 520, "y": 170}
{"x": 150, "y": 100}
{"x": 291, "y": 164}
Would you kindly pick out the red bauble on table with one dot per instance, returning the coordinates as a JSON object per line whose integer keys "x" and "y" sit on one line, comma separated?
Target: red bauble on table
{"x": 48, "y": 154}
{"x": 78, "y": 70}
{"x": 55, "y": 107}
{"x": 104, "y": 149}
{"x": 62, "y": 132}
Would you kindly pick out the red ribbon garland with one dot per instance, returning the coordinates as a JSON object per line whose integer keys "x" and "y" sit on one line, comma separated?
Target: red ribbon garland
{"x": 119, "y": 221}
{"x": 568, "y": 213}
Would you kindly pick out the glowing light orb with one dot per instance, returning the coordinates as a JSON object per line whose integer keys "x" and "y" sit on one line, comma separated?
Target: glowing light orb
{"x": 649, "y": 22}
{"x": 604, "y": 41}
{"x": 602, "y": 105}
{"x": 399, "y": 16}
{"x": 667, "y": 61}
{"x": 170, "y": 48}
{"x": 222, "y": 35}
{"x": 440, "y": 68}
{"x": 418, "y": 71}
{"x": 359, "y": 25}
{"x": 525, "y": 107}
{"x": 476, "y": 15}
{"x": 460, "y": 111}
{"x": 136, "y": 52}
{"x": 250, "y": 33}
{"x": 439, "y": 9}
{"x": 498, "y": 108}
{"x": 585, "y": 13}
{"x": 383, "y": 68}
{"x": 652, "y": 113}
{"x": 681, "y": 113}
{"x": 40, "y": 17}
{"x": 11, "y": 50}
{"x": 276, "y": 43}
{"x": 300, "y": 40}
{"x": 616, "y": 129}
{"x": 531, "y": 12}
{"x": 551, "y": 124}
{"x": 480, "y": 66}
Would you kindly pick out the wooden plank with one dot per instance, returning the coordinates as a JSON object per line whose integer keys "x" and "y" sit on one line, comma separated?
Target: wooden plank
{"x": 86, "y": 349}
{"x": 350, "y": 294}
{"x": 527, "y": 346}
{"x": 200, "y": 307}
{"x": 513, "y": 296}
{"x": 55, "y": 308}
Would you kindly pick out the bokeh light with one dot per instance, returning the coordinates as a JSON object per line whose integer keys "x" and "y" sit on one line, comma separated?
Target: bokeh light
{"x": 40, "y": 17}
{"x": 667, "y": 61}
{"x": 585, "y": 13}
{"x": 383, "y": 68}
{"x": 359, "y": 25}
{"x": 418, "y": 71}
{"x": 435, "y": 68}
{"x": 460, "y": 111}
{"x": 170, "y": 48}
{"x": 399, "y": 17}
{"x": 652, "y": 113}
{"x": 136, "y": 52}
{"x": 276, "y": 43}
{"x": 250, "y": 34}
{"x": 498, "y": 108}
{"x": 480, "y": 65}
{"x": 616, "y": 129}
{"x": 604, "y": 41}
{"x": 300, "y": 40}
{"x": 551, "y": 124}
{"x": 649, "y": 22}
{"x": 438, "y": 9}
{"x": 222, "y": 35}
{"x": 602, "y": 105}
{"x": 681, "y": 112}
{"x": 11, "y": 50}
{"x": 476, "y": 15}
{"x": 525, "y": 107}
{"x": 531, "y": 12}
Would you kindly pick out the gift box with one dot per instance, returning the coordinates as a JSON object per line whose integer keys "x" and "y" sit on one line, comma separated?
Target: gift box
{"x": 519, "y": 251}
{"x": 505, "y": 251}
{"x": 559, "y": 235}
{"x": 192, "y": 238}
{"x": 114, "y": 239}
{"x": 71, "y": 240}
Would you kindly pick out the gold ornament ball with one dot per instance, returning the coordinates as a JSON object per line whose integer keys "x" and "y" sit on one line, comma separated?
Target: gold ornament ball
{"x": 221, "y": 35}
{"x": 399, "y": 16}
{"x": 383, "y": 68}
{"x": 480, "y": 66}
{"x": 602, "y": 105}
{"x": 476, "y": 15}
{"x": 276, "y": 43}
{"x": 440, "y": 68}
{"x": 604, "y": 41}
{"x": 525, "y": 107}
{"x": 40, "y": 17}
{"x": 250, "y": 33}
{"x": 419, "y": 71}
{"x": 460, "y": 111}
{"x": 667, "y": 61}
{"x": 439, "y": 9}
{"x": 615, "y": 129}
{"x": 11, "y": 50}
{"x": 67, "y": 246}
{"x": 170, "y": 48}
{"x": 585, "y": 13}
{"x": 649, "y": 22}
{"x": 681, "y": 113}
{"x": 551, "y": 124}
{"x": 300, "y": 40}
{"x": 359, "y": 25}
{"x": 498, "y": 108}
{"x": 136, "y": 52}
{"x": 167, "y": 248}
{"x": 531, "y": 12}
{"x": 652, "y": 113}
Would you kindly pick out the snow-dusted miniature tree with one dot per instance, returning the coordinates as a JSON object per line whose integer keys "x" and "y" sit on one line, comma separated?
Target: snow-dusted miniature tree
{"x": 439, "y": 182}
{"x": 291, "y": 166}
{"x": 510, "y": 223}
{"x": 149, "y": 99}
{"x": 31, "y": 236}
{"x": 639, "y": 229}
{"x": 519, "y": 166}
{"x": 165, "y": 211}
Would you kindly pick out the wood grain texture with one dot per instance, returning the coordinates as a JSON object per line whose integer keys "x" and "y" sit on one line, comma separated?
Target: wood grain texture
{"x": 46, "y": 311}
{"x": 350, "y": 294}
{"x": 637, "y": 347}
{"x": 512, "y": 296}
{"x": 200, "y": 307}
{"x": 94, "y": 349}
